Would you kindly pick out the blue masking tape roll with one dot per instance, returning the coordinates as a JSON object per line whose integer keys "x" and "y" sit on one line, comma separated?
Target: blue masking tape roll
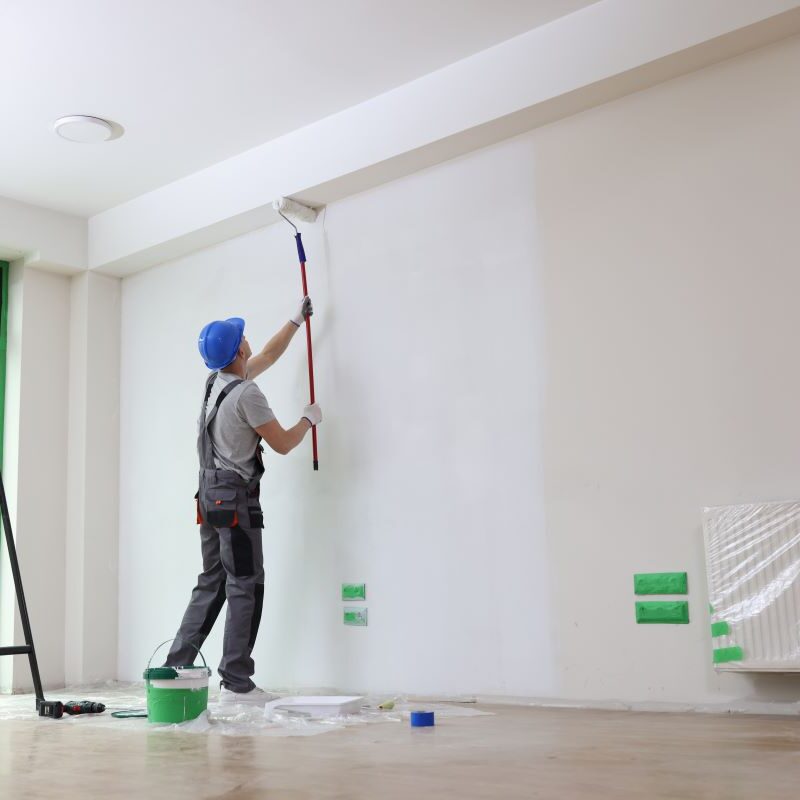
{"x": 422, "y": 719}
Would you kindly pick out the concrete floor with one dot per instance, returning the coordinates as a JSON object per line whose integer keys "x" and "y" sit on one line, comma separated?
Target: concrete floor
{"x": 519, "y": 753}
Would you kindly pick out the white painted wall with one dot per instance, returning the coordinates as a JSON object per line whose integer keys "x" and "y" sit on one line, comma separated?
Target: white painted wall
{"x": 93, "y": 480}
{"x": 670, "y": 250}
{"x": 537, "y": 364}
{"x": 34, "y": 469}
{"x": 420, "y": 458}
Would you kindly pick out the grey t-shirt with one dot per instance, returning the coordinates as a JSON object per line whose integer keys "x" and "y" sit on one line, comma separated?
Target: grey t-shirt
{"x": 244, "y": 409}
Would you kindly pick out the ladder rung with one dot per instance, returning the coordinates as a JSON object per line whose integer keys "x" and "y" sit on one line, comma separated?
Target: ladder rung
{"x": 22, "y": 650}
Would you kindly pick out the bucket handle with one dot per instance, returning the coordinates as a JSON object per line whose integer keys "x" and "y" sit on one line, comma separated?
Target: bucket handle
{"x": 150, "y": 660}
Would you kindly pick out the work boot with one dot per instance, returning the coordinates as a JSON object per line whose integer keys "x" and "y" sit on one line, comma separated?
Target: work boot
{"x": 255, "y": 695}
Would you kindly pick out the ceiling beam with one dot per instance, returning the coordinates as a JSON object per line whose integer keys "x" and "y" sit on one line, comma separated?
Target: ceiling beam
{"x": 602, "y": 52}
{"x": 39, "y": 237}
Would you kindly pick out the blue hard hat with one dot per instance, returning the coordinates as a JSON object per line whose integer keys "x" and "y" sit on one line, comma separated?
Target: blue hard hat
{"x": 219, "y": 342}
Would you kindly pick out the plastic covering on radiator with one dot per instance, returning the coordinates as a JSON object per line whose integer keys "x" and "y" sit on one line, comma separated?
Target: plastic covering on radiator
{"x": 753, "y": 570}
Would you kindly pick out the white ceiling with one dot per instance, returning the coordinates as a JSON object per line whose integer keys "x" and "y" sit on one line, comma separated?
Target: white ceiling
{"x": 196, "y": 81}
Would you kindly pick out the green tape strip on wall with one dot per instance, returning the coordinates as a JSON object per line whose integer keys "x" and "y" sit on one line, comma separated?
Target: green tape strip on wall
{"x": 720, "y": 629}
{"x": 660, "y": 583}
{"x": 724, "y": 654}
{"x": 663, "y": 612}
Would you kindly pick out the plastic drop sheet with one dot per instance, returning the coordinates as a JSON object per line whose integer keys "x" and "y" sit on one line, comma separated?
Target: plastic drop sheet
{"x": 753, "y": 570}
{"x": 221, "y": 719}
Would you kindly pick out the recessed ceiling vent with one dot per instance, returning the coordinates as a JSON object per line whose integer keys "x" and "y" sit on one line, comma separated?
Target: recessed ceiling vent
{"x": 86, "y": 130}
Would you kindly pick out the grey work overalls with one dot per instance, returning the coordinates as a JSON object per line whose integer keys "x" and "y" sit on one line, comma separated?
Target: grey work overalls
{"x": 230, "y": 518}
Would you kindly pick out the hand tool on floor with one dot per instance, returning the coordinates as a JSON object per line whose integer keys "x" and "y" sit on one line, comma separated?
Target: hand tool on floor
{"x": 56, "y": 709}
{"x": 73, "y": 707}
{"x": 284, "y": 206}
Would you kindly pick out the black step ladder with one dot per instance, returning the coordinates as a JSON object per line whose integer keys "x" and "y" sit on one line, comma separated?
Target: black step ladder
{"x": 27, "y": 648}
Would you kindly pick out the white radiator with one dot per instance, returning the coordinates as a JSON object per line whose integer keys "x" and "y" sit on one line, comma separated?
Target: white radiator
{"x": 753, "y": 568}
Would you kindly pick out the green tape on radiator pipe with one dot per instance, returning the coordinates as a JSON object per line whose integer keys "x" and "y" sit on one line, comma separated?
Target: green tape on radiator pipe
{"x": 660, "y": 583}
{"x": 720, "y": 629}
{"x": 724, "y": 654}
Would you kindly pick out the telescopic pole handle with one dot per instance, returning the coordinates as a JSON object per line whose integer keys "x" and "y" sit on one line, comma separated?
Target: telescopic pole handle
{"x": 301, "y": 255}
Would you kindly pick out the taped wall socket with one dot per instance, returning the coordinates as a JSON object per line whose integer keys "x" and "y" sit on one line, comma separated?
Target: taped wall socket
{"x": 355, "y": 616}
{"x": 354, "y": 591}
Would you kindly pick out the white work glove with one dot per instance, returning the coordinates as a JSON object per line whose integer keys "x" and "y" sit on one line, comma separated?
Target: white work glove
{"x": 305, "y": 311}
{"x": 313, "y": 414}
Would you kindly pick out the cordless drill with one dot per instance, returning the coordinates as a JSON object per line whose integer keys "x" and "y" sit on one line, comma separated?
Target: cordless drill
{"x": 56, "y": 709}
{"x": 83, "y": 707}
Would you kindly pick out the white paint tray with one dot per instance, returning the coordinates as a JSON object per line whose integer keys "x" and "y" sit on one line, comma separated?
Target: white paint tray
{"x": 315, "y": 707}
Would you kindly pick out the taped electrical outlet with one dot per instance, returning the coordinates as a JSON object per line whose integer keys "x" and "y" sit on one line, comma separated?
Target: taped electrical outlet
{"x": 355, "y": 616}
{"x": 354, "y": 591}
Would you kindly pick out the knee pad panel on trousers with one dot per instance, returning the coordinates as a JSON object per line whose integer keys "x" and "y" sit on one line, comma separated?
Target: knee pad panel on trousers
{"x": 242, "y": 551}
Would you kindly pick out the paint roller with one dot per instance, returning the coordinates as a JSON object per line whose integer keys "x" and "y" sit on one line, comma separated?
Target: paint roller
{"x": 284, "y": 206}
{"x": 290, "y": 208}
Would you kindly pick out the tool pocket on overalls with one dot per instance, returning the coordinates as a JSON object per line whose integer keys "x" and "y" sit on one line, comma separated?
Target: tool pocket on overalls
{"x": 197, "y": 506}
{"x": 221, "y": 507}
{"x": 256, "y": 516}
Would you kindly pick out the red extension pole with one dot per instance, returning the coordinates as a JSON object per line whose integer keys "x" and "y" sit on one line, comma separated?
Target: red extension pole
{"x": 301, "y": 254}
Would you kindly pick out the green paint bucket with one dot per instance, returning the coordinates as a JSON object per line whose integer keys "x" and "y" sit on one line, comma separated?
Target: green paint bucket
{"x": 176, "y": 694}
